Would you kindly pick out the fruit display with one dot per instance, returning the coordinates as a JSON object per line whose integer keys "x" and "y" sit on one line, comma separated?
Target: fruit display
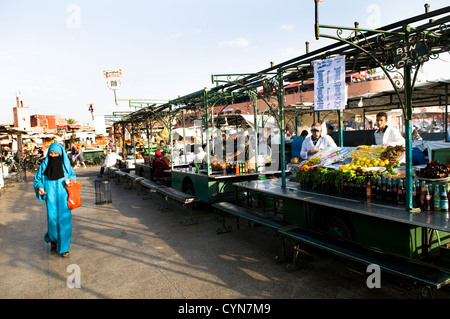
{"x": 365, "y": 156}
{"x": 392, "y": 154}
{"x": 312, "y": 161}
{"x": 434, "y": 169}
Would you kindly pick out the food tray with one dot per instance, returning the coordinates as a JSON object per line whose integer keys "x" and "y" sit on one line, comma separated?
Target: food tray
{"x": 434, "y": 180}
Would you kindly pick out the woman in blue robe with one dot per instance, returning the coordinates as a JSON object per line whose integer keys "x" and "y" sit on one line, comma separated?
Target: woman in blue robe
{"x": 49, "y": 185}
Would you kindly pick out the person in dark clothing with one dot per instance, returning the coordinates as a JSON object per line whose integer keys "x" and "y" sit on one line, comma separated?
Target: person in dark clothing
{"x": 160, "y": 166}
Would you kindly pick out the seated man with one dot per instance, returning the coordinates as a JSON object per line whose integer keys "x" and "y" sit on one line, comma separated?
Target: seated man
{"x": 160, "y": 166}
{"x": 110, "y": 161}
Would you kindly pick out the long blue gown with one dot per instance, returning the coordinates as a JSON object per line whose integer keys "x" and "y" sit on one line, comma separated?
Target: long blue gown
{"x": 59, "y": 218}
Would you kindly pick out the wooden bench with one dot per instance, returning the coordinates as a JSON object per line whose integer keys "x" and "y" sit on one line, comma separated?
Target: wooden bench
{"x": 149, "y": 187}
{"x": 132, "y": 180}
{"x": 120, "y": 176}
{"x": 183, "y": 199}
{"x": 250, "y": 215}
{"x": 430, "y": 276}
{"x": 175, "y": 196}
{"x": 110, "y": 171}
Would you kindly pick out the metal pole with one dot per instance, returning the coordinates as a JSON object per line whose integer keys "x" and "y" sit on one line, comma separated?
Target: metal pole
{"x": 184, "y": 137}
{"x": 170, "y": 136}
{"x": 255, "y": 119}
{"x": 281, "y": 124}
{"x": 208, "y": 153}
{"x": 408, "y": 132}
{"x": 341, "y": 135}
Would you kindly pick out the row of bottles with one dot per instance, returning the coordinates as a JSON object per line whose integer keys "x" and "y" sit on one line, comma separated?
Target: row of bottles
{"x": 427, "y": 197}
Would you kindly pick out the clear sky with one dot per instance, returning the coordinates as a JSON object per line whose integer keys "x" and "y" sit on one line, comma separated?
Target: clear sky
{"x": 54, "y": 51}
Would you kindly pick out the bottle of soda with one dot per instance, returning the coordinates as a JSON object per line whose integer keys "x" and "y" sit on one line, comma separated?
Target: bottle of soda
{"x": 414, "y": 194}
{"x": 444, "y": 200}
{"x": 369, "y": 188}
{"x": 379, "y": 188}
{"x": 422, "y": 195}
{"x": 417, "y": 201}
{"x": 436, "y": 198}
{"x": 428, "y": 202}
{"x": 384, "y": 190}
{"x": 374, "y": 187}
{"x": 394, "y": 192}
{"x": 401, "y": 192}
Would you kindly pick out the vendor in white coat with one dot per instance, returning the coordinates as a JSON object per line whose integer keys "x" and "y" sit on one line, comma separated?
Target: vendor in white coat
{"x": 387, "y": 135}
{"x": 316, "y": 142}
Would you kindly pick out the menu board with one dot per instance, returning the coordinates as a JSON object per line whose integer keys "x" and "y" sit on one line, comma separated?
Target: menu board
{"x": 330, "y": 92}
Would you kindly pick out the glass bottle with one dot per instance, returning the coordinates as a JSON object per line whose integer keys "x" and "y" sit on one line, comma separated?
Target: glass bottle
{"x": 379, "y": 188}
{"x": 414, "y": 195}
{"x": 428, "y": 205}
{"x": 389, "y": 191}
{"x": 394, "y": 192}
{"x": 436, "y": 198}
{"x": 401, "y": 192}
{"x": 422, "y": 195}
{"x": 369, "y": 188}
{"x": 383, "y": 189}
{"x": 374, "y": 187}
{"x": 444, "y": 200}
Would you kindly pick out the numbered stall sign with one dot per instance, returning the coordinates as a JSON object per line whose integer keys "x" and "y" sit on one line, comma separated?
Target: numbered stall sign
{"x": 411, "y": 54}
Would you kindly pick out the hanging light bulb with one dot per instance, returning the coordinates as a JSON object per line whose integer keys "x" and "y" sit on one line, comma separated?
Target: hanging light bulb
{"x": 360, "y": 103}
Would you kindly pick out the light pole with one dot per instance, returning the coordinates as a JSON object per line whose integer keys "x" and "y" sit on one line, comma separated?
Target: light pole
{"x": 91, "y": 109}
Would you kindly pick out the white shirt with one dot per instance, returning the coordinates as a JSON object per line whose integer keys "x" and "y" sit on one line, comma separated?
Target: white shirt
{"x": 199, "y": 157}
{"x": 111, "y": 159}
{"x": 276, "y": 139}
{"x": 323, "y": 142}
{"x": 390, "y": 136}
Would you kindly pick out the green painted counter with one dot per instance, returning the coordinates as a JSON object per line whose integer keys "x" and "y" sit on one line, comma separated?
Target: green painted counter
{"x": 387, "y": 227}
{"x": 208, "y": 188}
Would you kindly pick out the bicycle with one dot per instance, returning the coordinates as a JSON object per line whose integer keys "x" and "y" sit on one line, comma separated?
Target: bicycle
{"x": 34, "y": 162}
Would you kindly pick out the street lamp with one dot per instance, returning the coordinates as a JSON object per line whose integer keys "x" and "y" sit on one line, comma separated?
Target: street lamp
{"x": 91, "y": 109}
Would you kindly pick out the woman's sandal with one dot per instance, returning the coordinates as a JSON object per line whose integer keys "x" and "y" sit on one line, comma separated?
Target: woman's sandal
{"x": 53, "y": 248}
{"x": 64, "y": 255}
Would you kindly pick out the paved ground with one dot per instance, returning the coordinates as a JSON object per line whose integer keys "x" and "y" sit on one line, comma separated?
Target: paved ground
{"x": 129, "y": 249}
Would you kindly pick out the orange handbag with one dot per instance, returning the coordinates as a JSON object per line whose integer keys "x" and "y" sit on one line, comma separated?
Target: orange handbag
{"x": 74, "y": 200}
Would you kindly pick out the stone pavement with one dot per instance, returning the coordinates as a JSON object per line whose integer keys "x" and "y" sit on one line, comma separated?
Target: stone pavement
{"x": 129, "y": 249}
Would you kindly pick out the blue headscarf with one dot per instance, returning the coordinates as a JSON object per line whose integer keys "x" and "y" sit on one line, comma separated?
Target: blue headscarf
{"x": 58, "y": 148}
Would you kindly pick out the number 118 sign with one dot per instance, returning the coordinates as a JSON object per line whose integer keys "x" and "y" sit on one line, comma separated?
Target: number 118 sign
{"x": 112, "y": 78}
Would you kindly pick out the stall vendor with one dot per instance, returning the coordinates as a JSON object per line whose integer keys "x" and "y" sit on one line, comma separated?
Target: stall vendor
{"x": 139, "y": 150}
{"x": 242, "y": 151}
{"x": 200, "y": 156}
{"x": 387, "y": 135}
{"x": 316, "y": 142}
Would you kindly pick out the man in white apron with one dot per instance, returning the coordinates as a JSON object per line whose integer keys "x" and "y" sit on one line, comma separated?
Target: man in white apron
{"x": 316, "y": 142}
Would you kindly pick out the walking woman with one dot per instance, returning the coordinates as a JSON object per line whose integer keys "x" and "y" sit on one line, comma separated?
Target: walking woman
{"x": 49, "y": 185}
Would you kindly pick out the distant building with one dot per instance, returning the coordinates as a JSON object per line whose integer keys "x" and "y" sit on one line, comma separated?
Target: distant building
{"x": 21, "y": 115}
{"x": 46, "y": 123}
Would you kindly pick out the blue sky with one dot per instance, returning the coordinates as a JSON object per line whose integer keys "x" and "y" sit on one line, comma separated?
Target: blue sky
{"x": 54, "y": 51}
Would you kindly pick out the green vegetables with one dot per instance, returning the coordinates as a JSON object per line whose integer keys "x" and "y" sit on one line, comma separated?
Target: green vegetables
{"x": 335, "y": 180}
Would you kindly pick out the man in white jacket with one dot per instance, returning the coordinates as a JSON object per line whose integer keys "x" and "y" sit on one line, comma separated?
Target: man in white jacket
{"x": 110, "y": 161}
{"x": 387, "y": 135}
{"x": 316, "y": 142}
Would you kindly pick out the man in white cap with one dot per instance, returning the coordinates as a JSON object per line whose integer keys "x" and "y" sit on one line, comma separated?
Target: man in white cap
{"x": 316, "y": 142}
